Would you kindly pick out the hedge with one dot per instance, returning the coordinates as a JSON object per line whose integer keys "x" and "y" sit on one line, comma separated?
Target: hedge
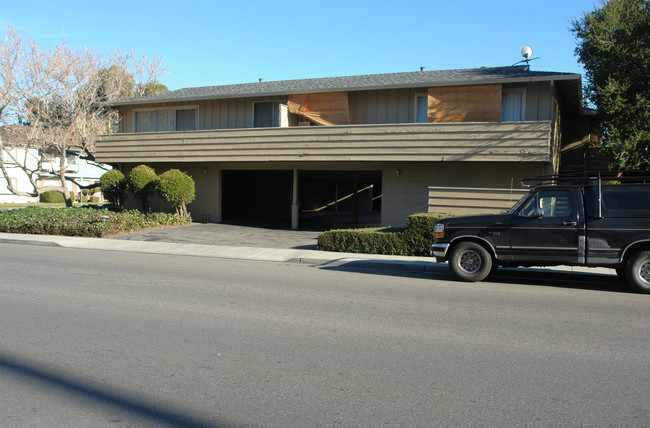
{"x": 369, "y": 240}
{"x": 414, "y": 240}
{"x": 82, "y": 221}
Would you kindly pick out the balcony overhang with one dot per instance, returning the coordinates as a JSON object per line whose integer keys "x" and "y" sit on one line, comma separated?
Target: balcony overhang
{"x": 505, "y": 142}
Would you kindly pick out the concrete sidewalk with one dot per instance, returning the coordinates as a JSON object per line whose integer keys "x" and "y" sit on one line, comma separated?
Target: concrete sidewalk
{"x": 322, "y": 258}
{"x": 153, "y": 242}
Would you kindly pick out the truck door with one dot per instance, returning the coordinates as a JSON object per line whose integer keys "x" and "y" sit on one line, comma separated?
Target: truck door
{"x": 545, "y": 229}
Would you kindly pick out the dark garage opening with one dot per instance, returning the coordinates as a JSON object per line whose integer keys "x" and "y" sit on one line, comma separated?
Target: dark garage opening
{"x": 331, "y": 199}
{"x": 327, "y": 199}
{"x": 255, "y": 196}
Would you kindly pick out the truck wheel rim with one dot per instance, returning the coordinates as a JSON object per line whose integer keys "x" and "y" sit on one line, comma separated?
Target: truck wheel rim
{"x": 644, "y": 272}
{"x": 470, "y": 261}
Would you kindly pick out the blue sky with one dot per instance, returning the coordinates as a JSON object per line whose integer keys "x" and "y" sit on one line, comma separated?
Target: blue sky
{"x": 224, "y": 42}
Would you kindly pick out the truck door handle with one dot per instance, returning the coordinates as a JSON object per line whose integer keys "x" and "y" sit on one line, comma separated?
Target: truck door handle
{"x": 570, "y": 223}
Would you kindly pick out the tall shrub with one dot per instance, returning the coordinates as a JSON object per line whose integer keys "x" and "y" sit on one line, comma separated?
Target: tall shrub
{"x": 113, "y": 185}
{"x": 142, "y": 183}
{"x": 177, "y": 188}
{"x": 418, "y": 235}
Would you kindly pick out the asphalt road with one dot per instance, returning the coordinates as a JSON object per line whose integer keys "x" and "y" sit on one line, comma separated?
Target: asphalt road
{"x": 94, "y": 338}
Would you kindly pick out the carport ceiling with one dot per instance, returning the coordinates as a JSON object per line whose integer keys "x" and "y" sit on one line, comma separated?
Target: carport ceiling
{"x": 341, "y": 175}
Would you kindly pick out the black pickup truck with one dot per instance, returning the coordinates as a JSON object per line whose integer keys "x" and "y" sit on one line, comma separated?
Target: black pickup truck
{"x": 598, "y": 221}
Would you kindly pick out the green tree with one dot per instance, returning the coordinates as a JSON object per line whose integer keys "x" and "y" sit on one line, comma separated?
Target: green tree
{"x": 113, "y": 185}
{"x": 114, "y": 82}
{"x": 614, "y": 47}
{"x": 151, "y": 88}
{"x": 177, "y": 188}
{"x": 142, "y": 184}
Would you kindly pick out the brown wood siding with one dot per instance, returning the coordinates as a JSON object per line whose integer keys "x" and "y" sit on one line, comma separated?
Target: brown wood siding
{"x": 473, "y": 103}
{"x": 509, "y": 142}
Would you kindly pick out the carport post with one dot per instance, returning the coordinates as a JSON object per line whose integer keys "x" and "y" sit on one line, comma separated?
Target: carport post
{"x": 294, "y": 201}
{"x": 355, "y": 202}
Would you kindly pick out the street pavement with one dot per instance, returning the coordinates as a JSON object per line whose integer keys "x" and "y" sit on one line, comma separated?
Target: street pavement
{"x": 217, "y": 240}
{"x": 106, "y": 339}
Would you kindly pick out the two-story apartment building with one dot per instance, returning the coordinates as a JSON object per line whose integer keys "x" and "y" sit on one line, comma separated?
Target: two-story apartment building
{"x": 405, "y": 142}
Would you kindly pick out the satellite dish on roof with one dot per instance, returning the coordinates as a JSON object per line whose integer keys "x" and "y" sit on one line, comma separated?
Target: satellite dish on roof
{"x": 526, "y": 52}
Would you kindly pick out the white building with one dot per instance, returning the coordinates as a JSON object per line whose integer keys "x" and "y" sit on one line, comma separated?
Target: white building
{"x": 81, "y": 171}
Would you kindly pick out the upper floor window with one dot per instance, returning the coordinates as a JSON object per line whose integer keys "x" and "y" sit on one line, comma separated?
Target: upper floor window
{"x": 512, "y": 105}
{"x": 165, "y": 120}
{"x": 270, "y": 114}
{"x": 421, "y": 108}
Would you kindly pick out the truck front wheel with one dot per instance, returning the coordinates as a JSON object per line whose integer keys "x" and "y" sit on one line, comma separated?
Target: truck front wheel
{"x": 470, "y": 261}
{"x": 637, "y": 271}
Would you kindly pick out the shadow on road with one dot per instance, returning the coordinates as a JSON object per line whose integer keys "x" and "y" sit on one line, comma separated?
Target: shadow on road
{"x": 548, "y": 278}
{"x": 521, "y": 276}
{"x": 137, "y": 407}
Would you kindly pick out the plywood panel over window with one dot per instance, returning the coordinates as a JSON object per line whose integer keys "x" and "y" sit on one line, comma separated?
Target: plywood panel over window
{"x": 473, "y": 103}
{"x": 323, "y": 109}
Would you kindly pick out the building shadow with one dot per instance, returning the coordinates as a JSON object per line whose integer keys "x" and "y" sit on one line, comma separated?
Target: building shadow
{"x": 139, "y": 407}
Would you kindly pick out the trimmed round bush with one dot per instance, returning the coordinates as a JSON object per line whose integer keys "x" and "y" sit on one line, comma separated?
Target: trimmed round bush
{"x": 113, "y": 185}
{"x": 177, "y": 188}
{"x": 51, "y": 197}
{"x": 142, "y": 183}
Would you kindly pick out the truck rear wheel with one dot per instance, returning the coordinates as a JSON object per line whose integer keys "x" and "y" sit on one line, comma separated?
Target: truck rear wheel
{"x": 637, "y": 271}
{"x": 470, "y": 261}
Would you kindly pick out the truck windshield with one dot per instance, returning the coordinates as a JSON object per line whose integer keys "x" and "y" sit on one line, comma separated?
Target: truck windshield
{"x": 516, "y": 206}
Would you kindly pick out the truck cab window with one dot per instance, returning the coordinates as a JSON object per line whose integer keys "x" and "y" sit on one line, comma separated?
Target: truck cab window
{"x": 557, "y": 203}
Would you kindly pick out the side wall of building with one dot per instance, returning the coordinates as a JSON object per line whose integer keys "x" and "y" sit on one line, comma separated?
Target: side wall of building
{"x": 406, "y": 186}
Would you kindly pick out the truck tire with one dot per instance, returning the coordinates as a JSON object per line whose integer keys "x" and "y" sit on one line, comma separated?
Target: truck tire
{"x": 470, "y": 262}
{"x": 637, "y": 271}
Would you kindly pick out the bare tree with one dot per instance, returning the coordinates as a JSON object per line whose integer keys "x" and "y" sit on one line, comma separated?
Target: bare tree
{"x": 57, "y": 103}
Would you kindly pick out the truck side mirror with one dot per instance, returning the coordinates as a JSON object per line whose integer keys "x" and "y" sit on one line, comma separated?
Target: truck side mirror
{"x": 537, "y": 212}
